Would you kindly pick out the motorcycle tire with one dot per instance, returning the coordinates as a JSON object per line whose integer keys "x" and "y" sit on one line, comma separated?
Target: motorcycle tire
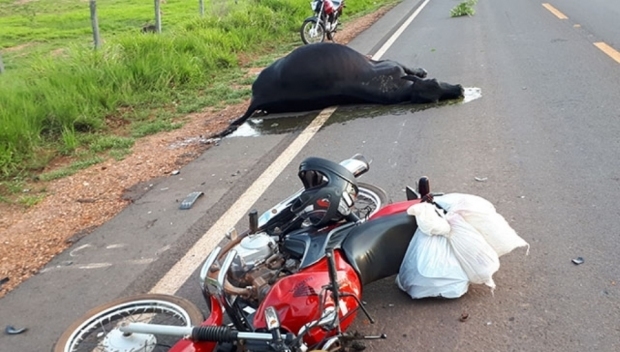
{"x": 369, "y": 200}
{"x": 97, "y": 327}
{"x": 306, "y": 31}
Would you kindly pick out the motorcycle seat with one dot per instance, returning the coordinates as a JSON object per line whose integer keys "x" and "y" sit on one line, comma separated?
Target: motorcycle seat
{"x": 377, "y": 248}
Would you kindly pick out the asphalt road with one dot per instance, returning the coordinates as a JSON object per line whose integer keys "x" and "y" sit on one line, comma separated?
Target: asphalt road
{"x": 544, "y": 134}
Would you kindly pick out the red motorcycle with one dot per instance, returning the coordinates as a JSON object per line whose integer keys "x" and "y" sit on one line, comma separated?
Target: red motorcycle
{"x": 278, "y": 281}
{"x": 323, "y": 23}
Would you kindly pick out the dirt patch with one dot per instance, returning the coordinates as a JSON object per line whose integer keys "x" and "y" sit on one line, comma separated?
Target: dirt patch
{"x": 22, "y": 2}
{"x": 16, "y": 48}
{"x": 78, "y": 204}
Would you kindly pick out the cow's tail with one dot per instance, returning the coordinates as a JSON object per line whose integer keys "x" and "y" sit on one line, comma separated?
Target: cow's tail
{"x": 234, "y": 124}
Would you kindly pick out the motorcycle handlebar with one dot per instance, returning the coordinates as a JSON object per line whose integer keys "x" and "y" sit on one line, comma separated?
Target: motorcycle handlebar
{"x": 206, "y": 333}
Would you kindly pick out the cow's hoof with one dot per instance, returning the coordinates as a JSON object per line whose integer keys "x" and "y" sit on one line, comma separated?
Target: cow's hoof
{"x": 421, "y": 73}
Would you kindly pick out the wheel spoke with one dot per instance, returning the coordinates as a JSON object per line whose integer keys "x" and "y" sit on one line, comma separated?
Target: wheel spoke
{"x": 99, "y": 332}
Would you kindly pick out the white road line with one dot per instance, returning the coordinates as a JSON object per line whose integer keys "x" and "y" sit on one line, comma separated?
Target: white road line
{"x": 184, "y": 268}
{"x": 397, "y": 34}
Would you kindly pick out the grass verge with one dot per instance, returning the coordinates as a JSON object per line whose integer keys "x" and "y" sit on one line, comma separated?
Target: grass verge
{"x": 58, "y": 97}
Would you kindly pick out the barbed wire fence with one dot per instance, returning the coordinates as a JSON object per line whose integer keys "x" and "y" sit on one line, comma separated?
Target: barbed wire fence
{"x": 95, "y": 24}
{"x": 217, "y": 6}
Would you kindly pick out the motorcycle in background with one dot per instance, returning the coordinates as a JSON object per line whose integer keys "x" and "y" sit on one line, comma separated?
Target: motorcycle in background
{"x": 277, "y": 283}
{"x": 324, "y": 22}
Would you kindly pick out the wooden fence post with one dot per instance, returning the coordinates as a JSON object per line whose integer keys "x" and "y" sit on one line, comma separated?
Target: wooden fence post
{"x": 95, "y": 23}
{"x": 157, "y": 16}
{"x": 201, "y": 4}
{"x": 1, "y": 65}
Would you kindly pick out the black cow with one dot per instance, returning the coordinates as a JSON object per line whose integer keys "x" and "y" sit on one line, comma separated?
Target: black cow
{"x": 319, "y": 75}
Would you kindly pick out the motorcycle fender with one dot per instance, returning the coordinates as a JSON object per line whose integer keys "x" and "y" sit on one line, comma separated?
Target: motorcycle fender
{"x": 313, "y": 18}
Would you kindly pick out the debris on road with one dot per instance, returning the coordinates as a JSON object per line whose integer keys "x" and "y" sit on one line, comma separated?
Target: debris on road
{"x": 3, "y": 281}
{"x": 464, "y": 317}
{"x": 10, "y": 330}
{"x": 481, "y": 179}
{"x": 189, "y": 201}
{"x": 578, "y": 260}
{"x": 175, "y": 172}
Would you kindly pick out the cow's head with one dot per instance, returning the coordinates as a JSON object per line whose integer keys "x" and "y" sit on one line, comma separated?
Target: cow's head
{"x": 431, "y": 91}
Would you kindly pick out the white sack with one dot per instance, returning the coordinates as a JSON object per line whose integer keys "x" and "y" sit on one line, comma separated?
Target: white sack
{"x": 428, "y": 219}
{"x": 481, "y": 214}
{"x": 430, "y": 269}
{"x": 455, "y": 202}
{"x": 476, "y": 256}
{"x": 495, "y": 230}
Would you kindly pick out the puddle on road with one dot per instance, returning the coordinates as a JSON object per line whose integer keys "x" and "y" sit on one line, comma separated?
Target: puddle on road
{"x": 286, "y": 123}
{"x": 274, "y": 124}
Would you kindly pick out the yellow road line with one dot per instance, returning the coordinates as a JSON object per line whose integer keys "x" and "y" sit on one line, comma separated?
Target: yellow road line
{"x": 613, "y": 53}
{"x": 555, "y": 11}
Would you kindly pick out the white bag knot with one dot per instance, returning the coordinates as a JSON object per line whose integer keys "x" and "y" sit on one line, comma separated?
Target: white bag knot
{"x": 429, "y": 220}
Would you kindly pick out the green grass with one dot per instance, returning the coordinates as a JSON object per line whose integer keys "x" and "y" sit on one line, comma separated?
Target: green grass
{"x": 465, "y": 8}
{"x": 71, "y": 169}
{"x": 59, "y": 97}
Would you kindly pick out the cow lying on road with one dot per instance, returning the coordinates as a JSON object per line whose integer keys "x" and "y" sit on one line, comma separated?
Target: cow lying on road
{"x": 320, "y": 75}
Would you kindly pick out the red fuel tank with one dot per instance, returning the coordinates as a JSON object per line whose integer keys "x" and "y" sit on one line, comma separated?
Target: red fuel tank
{"x": 297, "y": 298}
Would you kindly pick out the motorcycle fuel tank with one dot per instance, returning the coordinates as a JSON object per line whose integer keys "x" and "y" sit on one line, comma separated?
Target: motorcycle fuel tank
{"x": 297, "y": 298}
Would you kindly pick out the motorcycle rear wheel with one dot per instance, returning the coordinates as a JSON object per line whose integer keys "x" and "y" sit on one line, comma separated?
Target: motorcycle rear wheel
{"x": 97, "y": 331}
{"x": 307, "y": 36}
{"x": 369, "y": 200}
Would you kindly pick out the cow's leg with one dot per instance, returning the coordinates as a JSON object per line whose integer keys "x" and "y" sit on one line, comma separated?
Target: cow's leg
{"x": 418, "y": 72}
{"x": 383, "y": 65}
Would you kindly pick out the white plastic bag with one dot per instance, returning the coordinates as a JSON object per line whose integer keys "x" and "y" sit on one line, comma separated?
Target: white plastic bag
{"x": 430, "y": 269}
{"x": 495, "y": 230}
{"x": 456, "y": 202}
{"x": 481, "y": 214}
{"x": 476, "y": 256}
{"x": 428, "y": 219}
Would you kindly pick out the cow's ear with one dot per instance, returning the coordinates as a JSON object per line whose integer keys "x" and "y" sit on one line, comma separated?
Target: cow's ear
{"x": 411, "y": 78}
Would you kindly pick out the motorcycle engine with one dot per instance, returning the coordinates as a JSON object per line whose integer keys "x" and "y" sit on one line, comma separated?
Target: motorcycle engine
{"x": 252, "y": 251}
{"x": 258, "y": 265}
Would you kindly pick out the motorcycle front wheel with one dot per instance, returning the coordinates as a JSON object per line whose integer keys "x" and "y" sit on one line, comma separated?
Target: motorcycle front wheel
{"x": 312, "y": 32}
{"x": 369, "y": 200}
{"x": 97, "y": 330}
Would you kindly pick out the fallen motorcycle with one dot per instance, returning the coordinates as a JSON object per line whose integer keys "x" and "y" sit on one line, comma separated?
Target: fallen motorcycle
{"x": 324, "y": 22}
{"x": 278, "y": 281}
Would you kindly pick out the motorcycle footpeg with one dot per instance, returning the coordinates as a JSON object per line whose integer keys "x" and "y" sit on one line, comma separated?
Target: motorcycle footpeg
{"x": 424, "y": 186}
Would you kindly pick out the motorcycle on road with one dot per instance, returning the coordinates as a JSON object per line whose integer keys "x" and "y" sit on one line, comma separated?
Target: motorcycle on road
{"x": 292, "y": 282}
{"x": 324, "y": 23}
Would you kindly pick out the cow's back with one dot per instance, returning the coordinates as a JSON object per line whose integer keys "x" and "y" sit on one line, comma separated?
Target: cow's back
{"x": 322, "y": 65}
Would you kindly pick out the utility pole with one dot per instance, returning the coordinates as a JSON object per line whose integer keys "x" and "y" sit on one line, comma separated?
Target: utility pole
{"x": 1, "y": 65}
{"x": 201, "y": 4}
